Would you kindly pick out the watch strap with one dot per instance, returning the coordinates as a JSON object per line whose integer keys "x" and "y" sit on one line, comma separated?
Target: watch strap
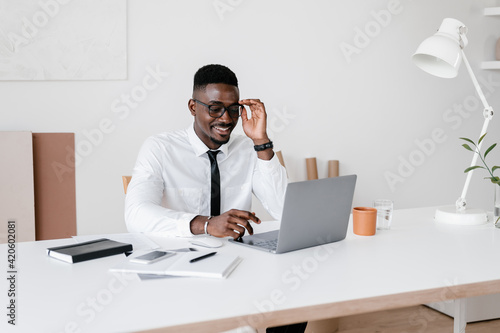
{"x": 263, "y": 146}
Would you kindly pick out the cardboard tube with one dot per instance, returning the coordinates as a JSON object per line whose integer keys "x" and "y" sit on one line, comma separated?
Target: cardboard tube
{"x": 312, "y": 168}
{"x": 333, "y": 168}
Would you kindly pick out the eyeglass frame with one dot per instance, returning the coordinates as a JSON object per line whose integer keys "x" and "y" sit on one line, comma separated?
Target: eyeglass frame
{"x": 223, "y": 108}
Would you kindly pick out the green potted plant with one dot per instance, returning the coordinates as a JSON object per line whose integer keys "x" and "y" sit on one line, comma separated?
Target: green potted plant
{"x": 494, "y": 179}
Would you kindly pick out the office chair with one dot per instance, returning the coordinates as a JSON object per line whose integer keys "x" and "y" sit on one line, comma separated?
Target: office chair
{"x": 126, "y": 181}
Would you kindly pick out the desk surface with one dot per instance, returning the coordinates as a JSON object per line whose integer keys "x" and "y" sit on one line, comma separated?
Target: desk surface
{"x": 417, "y": 261}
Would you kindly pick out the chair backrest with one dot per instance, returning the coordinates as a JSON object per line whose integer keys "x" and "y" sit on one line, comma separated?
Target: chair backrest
{"x": 126, "y": 181}
{"x": 280, "y": 158}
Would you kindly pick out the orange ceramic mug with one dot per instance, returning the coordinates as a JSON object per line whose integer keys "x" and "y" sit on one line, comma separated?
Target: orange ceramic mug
{"x": 364, "y": 221}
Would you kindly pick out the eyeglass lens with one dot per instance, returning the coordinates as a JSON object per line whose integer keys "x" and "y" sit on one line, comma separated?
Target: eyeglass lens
{"x": 218, "y": 110}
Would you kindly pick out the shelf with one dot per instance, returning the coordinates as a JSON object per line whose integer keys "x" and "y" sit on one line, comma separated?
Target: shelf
{"x": 492, "y": 11}
{"x": 490, "y": 65}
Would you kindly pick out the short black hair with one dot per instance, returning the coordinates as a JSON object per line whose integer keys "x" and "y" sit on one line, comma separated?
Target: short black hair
{"x": 214, "y": 74}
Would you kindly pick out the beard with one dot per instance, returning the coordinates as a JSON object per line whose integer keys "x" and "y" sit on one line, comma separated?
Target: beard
{"x": 225, "y": 138}
{"x": 219, "y": 142}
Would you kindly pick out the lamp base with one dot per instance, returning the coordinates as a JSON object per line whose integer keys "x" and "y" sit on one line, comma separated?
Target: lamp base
{"x": 449, "y": 215}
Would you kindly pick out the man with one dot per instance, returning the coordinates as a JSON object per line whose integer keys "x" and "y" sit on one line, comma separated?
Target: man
{"x": 200, "y": 180}
{"x": 171, "y": 182}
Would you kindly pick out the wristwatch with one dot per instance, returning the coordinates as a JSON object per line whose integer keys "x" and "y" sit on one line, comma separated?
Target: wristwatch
{"x": 263, "y": 146}
{"x": 206, "y": 226}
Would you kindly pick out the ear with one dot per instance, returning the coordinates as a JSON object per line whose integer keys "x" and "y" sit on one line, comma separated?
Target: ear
{"x": 192, "y": 107}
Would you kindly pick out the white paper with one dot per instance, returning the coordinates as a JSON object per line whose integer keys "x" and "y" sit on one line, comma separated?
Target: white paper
{"x": 218, "y": 266}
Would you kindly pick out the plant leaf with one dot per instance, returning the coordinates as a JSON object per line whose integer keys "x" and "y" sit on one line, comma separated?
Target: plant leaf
{"x": 473, "y": 168}
{"x": 489, "y": 149}
{"x": 466, "y": 146}
{"x": 468, "y": 140}
{"x": 481, "y": 138}
{"x": 494, "y": 168}
{"x": 494, "y": 180}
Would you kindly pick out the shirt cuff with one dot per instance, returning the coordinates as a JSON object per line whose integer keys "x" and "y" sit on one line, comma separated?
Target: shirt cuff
{"x": 184, "y": 225}
{"x": 269, "y": 166}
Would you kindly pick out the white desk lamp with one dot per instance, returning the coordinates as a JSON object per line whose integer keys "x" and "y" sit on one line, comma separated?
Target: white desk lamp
{"x": 441, "y": 55}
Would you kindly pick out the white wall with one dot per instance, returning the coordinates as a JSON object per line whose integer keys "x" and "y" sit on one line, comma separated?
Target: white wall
{"x": 367, "y": 110}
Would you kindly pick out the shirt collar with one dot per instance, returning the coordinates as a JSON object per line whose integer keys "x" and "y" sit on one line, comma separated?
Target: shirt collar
{"x": 199, "y": 147}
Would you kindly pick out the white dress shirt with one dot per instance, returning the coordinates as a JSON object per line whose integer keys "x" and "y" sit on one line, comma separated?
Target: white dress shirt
{"x": 171, "y": 182}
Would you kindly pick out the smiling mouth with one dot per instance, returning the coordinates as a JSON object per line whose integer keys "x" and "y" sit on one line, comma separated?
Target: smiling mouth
{"x": 222, "y": 130}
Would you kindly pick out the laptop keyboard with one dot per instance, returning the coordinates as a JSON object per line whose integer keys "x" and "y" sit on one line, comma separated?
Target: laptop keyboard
{"x": 267, "y": 244}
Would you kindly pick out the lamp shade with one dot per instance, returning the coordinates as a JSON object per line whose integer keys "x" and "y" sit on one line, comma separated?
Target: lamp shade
{"x": 441, "y": 54}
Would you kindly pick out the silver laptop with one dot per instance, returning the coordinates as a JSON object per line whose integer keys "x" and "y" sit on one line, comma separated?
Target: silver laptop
{"x": 315, "y": 212}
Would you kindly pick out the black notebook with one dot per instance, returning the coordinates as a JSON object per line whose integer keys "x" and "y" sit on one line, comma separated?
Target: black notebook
{"x": 88, "y": 250}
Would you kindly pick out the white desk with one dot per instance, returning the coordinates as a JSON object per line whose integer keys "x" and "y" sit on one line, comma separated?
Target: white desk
{"x": 415, "y": 262}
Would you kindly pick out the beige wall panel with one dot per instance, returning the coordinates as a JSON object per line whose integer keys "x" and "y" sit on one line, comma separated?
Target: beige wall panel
{"x": 16, "y": 185}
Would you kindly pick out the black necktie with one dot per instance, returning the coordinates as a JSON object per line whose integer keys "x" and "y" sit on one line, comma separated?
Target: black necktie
{"x": 215, "y": 180}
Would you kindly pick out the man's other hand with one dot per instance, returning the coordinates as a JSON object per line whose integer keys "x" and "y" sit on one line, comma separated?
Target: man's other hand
{"x": 232, "y": 223}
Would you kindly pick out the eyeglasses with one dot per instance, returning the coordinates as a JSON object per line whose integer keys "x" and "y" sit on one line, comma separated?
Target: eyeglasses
{"x": 217, "y": 111}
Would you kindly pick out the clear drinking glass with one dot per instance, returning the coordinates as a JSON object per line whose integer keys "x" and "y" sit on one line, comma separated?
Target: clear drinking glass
{"x": 384, "y": 213}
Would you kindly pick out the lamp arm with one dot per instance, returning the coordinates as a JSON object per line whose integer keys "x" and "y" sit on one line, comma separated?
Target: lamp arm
{"x": 474, "y": 80}
{"x": 488, "y": 115}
